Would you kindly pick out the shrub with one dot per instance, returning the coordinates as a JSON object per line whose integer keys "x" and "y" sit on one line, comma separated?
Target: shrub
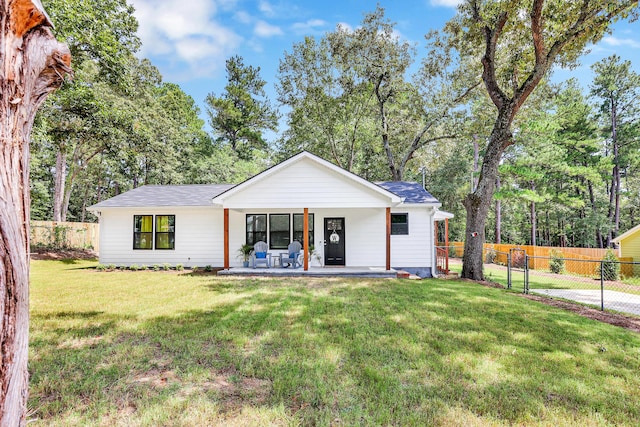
{"x": 490, "y": 256}
{"x": 517, "y": 258}
{"x": 144, "y": 267}
{"x": 556, "y": 263}
{"x": 194, "y": 269}
{"x": 166, "y": 266}
{"x": 179, "y": 267}
{"x": 610, "y": 266}
{"x": 452, "y": 252}
{"x": 111, "y": 267}
{"x": 101, "y": 267}
{"x": 134, "y": 267}
{"x": 208, "y": 268}
{"x": 156, "y": 267}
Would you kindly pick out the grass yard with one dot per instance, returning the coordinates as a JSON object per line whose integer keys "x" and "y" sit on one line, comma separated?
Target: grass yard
{"x": 540, "y": 279}
{"x": 156, "y": 348}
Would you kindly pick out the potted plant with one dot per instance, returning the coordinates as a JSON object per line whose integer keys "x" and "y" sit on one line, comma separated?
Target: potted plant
{"x": 245, "y": 251}
{"x": 314, "y": 255}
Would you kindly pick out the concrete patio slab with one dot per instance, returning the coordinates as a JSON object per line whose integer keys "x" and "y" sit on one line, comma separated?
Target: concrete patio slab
{"x": 364, "y": 272}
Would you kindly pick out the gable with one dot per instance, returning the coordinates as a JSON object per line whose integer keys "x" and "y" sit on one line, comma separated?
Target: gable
{"x": 306, "y": 181}
{"x": 634, "y": 232}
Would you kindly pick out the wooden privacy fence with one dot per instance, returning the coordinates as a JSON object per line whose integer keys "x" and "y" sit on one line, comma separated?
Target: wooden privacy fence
{"x": 65, "y": 235}
{"x": 578, "y": 260}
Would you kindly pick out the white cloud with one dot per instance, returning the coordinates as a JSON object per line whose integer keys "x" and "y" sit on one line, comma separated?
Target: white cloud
{"x": 446, "y": 3}
{"x": 186, "y": 31}
{"x": 264, "y": 29}
{"x": 266, "y": 8}
{"x": 310, "y": 26}
{"x": 243, "y": 17}
{"x": 615, "y": 41}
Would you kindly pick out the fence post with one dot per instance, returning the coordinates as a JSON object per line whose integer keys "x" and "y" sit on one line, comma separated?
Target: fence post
{"x": 526, "y": 273}
{"x": 509, "y": 269}
{"x": 602, "y": 285}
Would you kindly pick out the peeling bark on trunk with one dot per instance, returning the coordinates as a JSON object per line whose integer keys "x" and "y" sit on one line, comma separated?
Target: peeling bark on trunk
{"x": 32, "y": 64}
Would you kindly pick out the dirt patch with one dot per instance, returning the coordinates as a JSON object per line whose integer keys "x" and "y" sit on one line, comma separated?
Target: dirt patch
{"x": 233, "y": 390}
{"x": 61, "y": 254}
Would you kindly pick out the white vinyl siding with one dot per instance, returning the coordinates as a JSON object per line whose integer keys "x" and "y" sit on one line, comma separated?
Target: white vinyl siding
{"x": 416, "y": 248}
{"x": 305, "y": 184}
{"x": 198, "y": 238}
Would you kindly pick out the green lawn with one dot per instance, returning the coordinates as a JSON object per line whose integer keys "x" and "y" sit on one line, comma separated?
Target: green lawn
{"x": 540, "y": 279}
{"x": 156, "y": 348}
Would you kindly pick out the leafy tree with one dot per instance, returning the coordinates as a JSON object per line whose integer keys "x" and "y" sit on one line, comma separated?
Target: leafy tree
{"x": 101, "y": 36}
{"x": 516, "y": 43}
{"x": 353, "y": 85}
{"x": 618, "y": 88}
{"x": 242, "y": 113}
{"x": 102, "y": 31}
{"x": 330, "y": 113}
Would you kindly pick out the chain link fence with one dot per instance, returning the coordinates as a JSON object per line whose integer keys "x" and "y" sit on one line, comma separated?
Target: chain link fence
{"x": 606, "y": 284}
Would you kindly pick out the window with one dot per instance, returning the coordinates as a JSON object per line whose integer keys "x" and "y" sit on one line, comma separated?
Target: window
{"x": 256, "y": 229}
{"x": 399, "y": 223}
{"x": 165, "y": 231}
{"x": 143, "y": 232}
{"x": 279, "y": 231}
{"x": 298, "y": 228}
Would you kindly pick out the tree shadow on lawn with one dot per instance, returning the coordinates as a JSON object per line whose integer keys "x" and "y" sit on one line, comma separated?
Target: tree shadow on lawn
{"x": 391, "y": 352}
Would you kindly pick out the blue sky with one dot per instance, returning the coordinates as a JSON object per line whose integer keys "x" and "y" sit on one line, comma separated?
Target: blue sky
{"x": 189, "y": 40}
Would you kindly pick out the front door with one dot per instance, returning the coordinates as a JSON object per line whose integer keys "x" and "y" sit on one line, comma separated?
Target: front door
{"x": 334, "y": 241}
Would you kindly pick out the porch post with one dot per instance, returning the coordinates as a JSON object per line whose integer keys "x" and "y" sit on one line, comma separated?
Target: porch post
{"x": 226, "y": 239}
{"x": 388, "y": 266}
{"x": 446, "y": 243}
{"x": 305, "y": 238}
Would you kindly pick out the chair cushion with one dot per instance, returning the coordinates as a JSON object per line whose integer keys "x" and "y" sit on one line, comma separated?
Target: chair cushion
{"x": 293, "y": 255}
{"x": 261, "y": 254}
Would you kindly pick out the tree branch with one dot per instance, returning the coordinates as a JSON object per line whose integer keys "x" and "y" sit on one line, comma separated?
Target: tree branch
{"x": 488, "y": 60}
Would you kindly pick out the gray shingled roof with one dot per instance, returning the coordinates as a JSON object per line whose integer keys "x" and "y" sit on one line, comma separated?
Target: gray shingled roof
{"x": 166, "y": 195}
{"x": 412, "y": 192}
{"x": 202, "y": 194}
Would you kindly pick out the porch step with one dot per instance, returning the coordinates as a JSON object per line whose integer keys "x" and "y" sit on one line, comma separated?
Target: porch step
{"x": 401, "y": 274}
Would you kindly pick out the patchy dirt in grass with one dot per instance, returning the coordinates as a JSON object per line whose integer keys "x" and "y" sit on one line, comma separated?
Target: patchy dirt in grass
{"x": 62, "y": 254}
{"x": 78, "y": 343}
{"x": 234, "y": 391}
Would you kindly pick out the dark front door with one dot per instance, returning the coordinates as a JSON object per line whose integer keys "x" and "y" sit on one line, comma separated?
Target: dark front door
{"x": 334, "y": 241}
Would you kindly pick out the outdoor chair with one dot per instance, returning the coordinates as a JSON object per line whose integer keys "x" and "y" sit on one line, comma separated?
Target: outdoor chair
{"x": 291, "y": 257}
{"x": 260, "y": 255}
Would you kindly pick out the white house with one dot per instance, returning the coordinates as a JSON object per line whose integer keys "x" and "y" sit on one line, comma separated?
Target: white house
{"x": 350, "y": 221}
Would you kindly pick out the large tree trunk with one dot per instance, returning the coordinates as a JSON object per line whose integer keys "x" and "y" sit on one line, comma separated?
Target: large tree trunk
{"x": 33, "y": 64}
{"x": 479, "y": 202}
